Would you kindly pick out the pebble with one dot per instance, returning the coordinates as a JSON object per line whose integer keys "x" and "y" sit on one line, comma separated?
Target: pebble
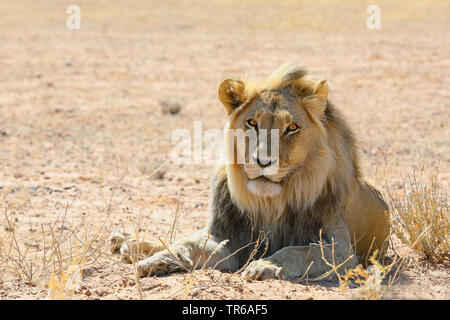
{"x": 171, "y": 107}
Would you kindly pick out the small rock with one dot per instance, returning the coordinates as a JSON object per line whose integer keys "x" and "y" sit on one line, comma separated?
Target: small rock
{"x": 155, "y": 172}
{"x": 100, "y": 293}
{"x": 18, "y": 175}
{"x": 171, "y": 107}
{"x": 195, "y": 292}
{"x": 15, "y": 189}
{"x": 88, "y": 293}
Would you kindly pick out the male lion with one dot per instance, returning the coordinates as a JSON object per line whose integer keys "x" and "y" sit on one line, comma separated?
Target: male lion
{"x": 315, "y": 210}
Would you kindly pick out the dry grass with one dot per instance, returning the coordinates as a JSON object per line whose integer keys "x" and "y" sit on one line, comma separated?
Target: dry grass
{"x": 420, "y": 220}
{"x": 62, "y": 286}
{"x": 420, "y": 216}
{"x": 369, "y": 281}
{"x": 56, "y": 260}
{"x": 79, "y": 108}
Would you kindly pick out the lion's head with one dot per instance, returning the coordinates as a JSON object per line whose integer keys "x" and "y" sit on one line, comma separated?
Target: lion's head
{"x": 289, "y": 106}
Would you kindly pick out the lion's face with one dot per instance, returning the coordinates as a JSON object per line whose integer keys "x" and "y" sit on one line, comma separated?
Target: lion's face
{"x": 282, "y": 135}
{"x": 281, "y": 125}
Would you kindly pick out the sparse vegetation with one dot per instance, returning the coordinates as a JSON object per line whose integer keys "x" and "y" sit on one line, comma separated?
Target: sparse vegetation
{"x": 63, "y": 286}
{"x": 55, "y": 261}
{"x": 63, "y": 255}
{"x": 420, "y": 216}
{"x": 82, "y": 109}
{"x": 368, "y": 282}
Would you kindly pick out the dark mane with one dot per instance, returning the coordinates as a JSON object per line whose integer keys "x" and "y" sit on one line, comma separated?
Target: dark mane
{"x": 299, "y": 228}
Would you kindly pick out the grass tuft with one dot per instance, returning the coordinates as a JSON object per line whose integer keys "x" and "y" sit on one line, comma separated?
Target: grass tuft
{"x": 369, "y": 282}
{"x": 420, "y": 217}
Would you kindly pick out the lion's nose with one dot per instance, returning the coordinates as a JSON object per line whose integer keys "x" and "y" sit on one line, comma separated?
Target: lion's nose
{"x": 263, "y": 162}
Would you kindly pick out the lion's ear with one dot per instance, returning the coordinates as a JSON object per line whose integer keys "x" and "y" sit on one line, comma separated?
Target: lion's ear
{"x": 316, "y": 98}
{"x": 320, "y": 92}
{"x": 231, "y": 94}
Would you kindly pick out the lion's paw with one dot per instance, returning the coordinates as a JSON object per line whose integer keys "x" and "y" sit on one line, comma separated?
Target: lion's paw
{"x": 132, "y": 250}
{"x": 116, "y": 240}
{"x": 163, "y": 263}
{"x": 263, "y": 269}
{"x": 156, "y": 266}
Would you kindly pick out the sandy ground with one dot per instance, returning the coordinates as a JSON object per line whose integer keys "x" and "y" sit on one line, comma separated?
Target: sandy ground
{"x": 82, "y": 129}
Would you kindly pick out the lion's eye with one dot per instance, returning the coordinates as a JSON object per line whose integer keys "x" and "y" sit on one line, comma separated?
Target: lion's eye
{"x": 292, "y": 128}
{"x": 252, "y": 123}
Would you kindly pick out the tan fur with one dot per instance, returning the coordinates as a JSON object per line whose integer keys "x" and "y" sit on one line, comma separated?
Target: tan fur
{"x": 316, "y": 188}
{"x": 365, "y": 211}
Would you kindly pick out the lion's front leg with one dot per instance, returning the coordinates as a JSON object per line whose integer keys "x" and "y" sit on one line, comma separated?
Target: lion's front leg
{"x": 195, "y": 252}
{"x": 312, "y": 261}
{"x": 295, "y": 261}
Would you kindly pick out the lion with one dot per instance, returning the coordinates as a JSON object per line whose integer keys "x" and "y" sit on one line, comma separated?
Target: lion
{"x": 310, "y": 216}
